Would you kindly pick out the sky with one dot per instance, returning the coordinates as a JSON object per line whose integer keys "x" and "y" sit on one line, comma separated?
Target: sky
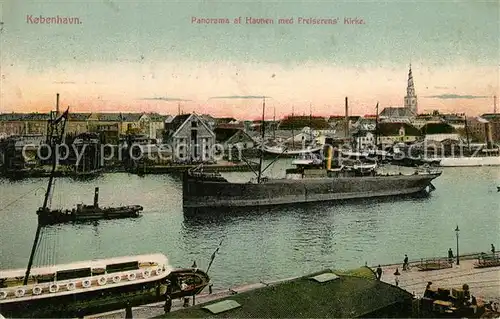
{"x": 152, "y": 56}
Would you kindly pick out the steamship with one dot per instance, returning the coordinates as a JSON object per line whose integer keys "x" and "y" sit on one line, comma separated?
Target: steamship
{"x": 307, "y": 182}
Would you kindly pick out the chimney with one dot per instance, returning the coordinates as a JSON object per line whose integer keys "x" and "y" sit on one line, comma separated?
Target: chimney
{"x": 57, "y": 104}
{"x": 346, "y": 118}
{"x": 489, "y": 135}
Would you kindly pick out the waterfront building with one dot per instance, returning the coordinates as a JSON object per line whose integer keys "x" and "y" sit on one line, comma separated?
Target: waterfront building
{"x": 494, "y": 120}
{"x": 295, "y": 122}
{"x": 456, "y": 120}
{"x": 439, "y": 132}
{"x": 209, "y": 120}
{"x": 364, "y": 139}
{"x": 12, "y": 151}
{"x": 152, "y": 125}
{"x": 191, "y": 139}
{"x": 77, "y": 123}
{"x": 478, "y": 127}
{"x": 233, "y": 137}
{"x": 325, "y": 294}
{"x": 113, "y": 125}
{"x": 341, "y": 127}
{"x": 23, "y": 123}
{"x": 366, "y": 123}
{"x": 396, "y": 115}
{"x": 421, "y": 119}
{"x": 392, "y": 133}
{"x": 109, "y": 132}
{"x": 88, "y": 147}
{"x": 225, "y": 120}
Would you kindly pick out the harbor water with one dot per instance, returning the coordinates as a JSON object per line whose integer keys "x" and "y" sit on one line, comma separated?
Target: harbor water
{"x": 257, "y": 245}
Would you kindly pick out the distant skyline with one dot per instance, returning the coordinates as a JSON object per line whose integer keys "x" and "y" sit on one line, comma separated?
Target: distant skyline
{"x": 150, "y": 56}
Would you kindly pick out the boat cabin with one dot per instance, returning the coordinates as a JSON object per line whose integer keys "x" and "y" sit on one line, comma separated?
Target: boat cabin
{"x": 12, "y": 278}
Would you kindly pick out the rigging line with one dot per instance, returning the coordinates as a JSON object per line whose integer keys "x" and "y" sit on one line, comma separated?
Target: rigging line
{"x": 43, "y": 239}
{"x": 54, "y": 246}
{"x": 39, "y": 250}
{"x": 18, "y": 198}
{"x": 42, "y": 249}
{"x": 52, "y": 192}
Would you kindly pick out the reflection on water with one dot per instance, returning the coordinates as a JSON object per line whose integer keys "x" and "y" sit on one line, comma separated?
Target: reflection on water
{"x": 257, "y": 244}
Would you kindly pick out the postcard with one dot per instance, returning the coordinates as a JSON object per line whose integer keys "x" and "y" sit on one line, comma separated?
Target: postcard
{"x": 234, "y": 158}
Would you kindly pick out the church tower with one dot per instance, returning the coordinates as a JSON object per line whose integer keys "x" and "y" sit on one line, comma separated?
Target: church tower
{"x": 411, "y": 97}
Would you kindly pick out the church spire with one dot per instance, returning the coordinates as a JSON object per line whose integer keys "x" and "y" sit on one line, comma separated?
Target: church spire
{"x": 411, "y": 97}
{"x": 410, "y": 89}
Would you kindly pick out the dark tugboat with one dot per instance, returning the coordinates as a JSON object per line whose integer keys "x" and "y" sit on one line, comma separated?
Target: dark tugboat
{"x": 84, "y": 213}
{"x": 89, "y": 287}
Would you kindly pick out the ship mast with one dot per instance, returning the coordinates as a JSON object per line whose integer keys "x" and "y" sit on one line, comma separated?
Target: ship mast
{"x": 467, "y": 133}
{"x": 55, "y": 133}
{"x": 310, "y": 123}
{"x": 274, "y": 124}
{"x": 293, "y": 125}
{"x": 262, "y": 142}
{"x": 376, "y": 129}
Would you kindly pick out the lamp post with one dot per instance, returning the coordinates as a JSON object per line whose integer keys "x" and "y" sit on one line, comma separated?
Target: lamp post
{"x": 458, "y": 253}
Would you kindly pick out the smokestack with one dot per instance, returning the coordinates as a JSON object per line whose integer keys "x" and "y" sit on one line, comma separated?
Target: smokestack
{"x": 57, "y": 104}
{"x": 346, "y": 118}
{"x": 489, "y": 135}
{"x": 96, "y": 197}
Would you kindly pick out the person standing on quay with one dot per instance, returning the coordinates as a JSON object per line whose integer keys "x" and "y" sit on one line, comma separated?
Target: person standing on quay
{"x": 450, "y": 256}
{"x": 128, "y": 311}
{"x": 168, "y": 304}
{"x": 396, "y": 277}
{"x": 379, "y": 272}
{"x": 492, "y": 249}
{"x": 405, "y": 263}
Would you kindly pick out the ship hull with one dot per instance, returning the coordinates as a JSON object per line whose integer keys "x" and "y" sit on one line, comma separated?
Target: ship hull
{"x": 212, "y": 194}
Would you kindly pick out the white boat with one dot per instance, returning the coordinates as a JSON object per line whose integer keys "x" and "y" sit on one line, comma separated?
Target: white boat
{"x": 95, "y": 286}
{"x": 281, "y": 150}
{"x": 469, "y": 161}
{"x": 365, "y": 166}
{"x": 307, "y": 159}
{"x": 93, "y": 276}
{"x": 365, "y": 153}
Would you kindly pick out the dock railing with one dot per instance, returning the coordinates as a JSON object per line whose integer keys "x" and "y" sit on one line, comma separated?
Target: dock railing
{"x": 435, "y": 263}
{"x": 487, "y": 260}
{"x": 439, "y": 259}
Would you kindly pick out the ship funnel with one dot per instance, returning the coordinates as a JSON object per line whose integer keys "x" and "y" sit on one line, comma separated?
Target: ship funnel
{"x": 489, "y": 135}
{"x": 57, "y": 105}
{"x": 346, "y": 118}
{"x": 96, "y": 197}
{"x": 329, "y": 158}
